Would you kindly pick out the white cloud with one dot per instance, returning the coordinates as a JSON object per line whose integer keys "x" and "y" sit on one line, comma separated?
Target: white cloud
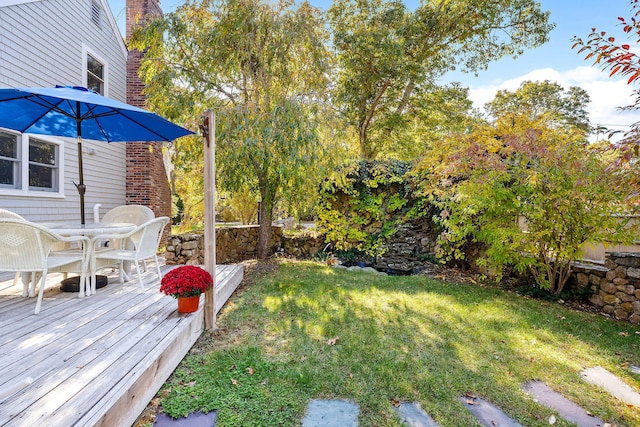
{"x": 607, "y": 94}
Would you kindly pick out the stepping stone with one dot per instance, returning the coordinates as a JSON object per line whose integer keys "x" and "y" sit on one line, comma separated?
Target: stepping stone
{"x": 566, "y": 408}
{"x": 413, "y": 415}
{"x": 487, "y": 414}
{"x": 331, "y": 413}
{"x": 195, "y": 419}
{"x": 612, "y": 384}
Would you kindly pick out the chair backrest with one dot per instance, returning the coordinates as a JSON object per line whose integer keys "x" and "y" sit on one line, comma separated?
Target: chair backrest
{"x": 8, "y": 214}
{"x": 131, "y": 214}
{"x": 146, "y": 237}
{"x": 24, "y": 246}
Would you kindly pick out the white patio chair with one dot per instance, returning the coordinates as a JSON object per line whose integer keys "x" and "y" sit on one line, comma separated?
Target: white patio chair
{"x": 128, "y": 214}
{"x": 131, "y": 214}
{"x": 145, "y": 239}
{"x": 8, "y": 214}
{"x": 26, "y": 247}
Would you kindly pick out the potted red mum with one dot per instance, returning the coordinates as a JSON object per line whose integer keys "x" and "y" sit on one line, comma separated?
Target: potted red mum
{"x": 186, "y": 283}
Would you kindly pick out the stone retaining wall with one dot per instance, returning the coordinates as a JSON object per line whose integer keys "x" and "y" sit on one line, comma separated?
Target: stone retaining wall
{"x": 407, "y": 251}
{"x": 237, "y": 243}
{"x": 233, "y": 244}
{"x": 616, "y": 286}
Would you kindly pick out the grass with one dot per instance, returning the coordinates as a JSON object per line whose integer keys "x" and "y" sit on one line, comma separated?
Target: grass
{"x": 308, "y": 331}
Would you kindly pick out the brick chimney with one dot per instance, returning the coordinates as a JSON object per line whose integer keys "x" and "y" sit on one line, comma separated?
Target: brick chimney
{"x": 147, "y": 182}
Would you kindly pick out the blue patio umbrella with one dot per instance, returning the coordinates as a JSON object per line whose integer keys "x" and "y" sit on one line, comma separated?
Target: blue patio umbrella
{"x": 76, "y": 112}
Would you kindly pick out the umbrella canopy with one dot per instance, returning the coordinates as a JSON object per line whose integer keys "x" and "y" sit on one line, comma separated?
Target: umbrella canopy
{"x": 77, "y": 112}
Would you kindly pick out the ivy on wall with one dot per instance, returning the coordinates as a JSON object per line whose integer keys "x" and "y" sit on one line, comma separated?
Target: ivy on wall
{"x": 363, "y": 204}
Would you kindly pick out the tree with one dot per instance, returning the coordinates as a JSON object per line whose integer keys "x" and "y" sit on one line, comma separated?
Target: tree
{"x": 529, "y": 192}
{"x": 535, "y": 99}
{"x": 435, "y": 112}
{"x": 617, "y": 58}
{"x": 261, "y": 65}
{"x": 386, "y": 53}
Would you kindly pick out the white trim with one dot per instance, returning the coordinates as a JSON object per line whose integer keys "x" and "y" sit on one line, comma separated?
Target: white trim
{"x": 86, "y": 50}
{"x": 24, "y": 164}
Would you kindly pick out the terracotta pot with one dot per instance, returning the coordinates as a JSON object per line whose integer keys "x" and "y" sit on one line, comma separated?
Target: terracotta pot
{"x": 188, "y": 304}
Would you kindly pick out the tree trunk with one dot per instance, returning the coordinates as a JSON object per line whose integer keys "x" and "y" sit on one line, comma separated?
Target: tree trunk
{"x": 264, "y": 232}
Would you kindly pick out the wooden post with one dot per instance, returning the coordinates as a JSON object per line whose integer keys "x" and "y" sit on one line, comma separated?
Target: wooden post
{"x": 209, "y": 132}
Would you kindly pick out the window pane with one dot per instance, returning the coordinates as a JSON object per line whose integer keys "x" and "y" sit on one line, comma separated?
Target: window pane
{"x": 8, "y": 145}
{"x": 94, "y": 67}
{"x": 9, "y": 168}
{"x": 42, "y": 152}
{"x": 95, "y": 75}
{"x": 94, "y": 84}
{"x": 42, "y": 177}
{"x": 43, "y": 165}
{"x": 7, "y": 176}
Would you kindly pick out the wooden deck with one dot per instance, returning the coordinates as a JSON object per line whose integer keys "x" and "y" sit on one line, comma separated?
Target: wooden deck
{"x": 94, "y": 361}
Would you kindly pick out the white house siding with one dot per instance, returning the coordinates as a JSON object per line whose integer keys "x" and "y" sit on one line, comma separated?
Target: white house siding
{"x": 42, "y": 44}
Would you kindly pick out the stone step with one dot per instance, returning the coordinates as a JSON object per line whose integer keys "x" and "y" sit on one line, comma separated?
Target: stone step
{"x": 413, "y": 415}
{"x": 331, "y": 413}
{"x": 613, "y": 385}
{"x": 566, "y": 408}
{"x": 487, "y": 414}
{"x": 195, "y": 419}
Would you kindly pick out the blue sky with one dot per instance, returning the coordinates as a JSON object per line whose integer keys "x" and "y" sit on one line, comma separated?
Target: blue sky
{"x": 555, "y": 60}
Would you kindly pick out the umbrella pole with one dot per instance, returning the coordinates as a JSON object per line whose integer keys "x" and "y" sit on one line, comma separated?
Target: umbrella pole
{"x": 81, "y": 187}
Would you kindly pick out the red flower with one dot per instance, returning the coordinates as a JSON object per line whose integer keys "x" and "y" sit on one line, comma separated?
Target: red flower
{"x": 186, "y": 281}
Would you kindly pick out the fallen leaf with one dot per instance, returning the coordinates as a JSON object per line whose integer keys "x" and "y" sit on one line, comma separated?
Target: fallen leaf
{"x": 469, "y": 395}
{"x": 350, "y": 375}
{"x": 552, "y": 419}
{"x": 232, "y": 367}
{"x": 250, "y": 370}
{"x": 623, "y": 333}
{"x": 303, "y": 358}
{"x": 235, "y": 382}
{"x": 332, "y": 341}
{"x": 493, "y": 423}
{"x": 395, "y": 403}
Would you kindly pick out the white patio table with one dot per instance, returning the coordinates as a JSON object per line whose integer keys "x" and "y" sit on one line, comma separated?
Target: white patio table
{"x": 90, "y": 230}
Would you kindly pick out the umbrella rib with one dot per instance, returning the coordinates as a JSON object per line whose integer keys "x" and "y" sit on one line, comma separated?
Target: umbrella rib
{"x": 37, "y": 99}
{"x": 123, "y": 113}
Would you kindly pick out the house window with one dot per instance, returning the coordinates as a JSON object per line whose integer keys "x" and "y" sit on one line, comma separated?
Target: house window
{"x": 95, "y": 74}
{"x": 29, "y": 164}
{"x": 9, "y": 160}
{"x": 43, "y": 165}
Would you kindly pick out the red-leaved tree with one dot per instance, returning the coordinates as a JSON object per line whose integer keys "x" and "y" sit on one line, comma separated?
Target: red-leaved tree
{"x": 619, "y": 59}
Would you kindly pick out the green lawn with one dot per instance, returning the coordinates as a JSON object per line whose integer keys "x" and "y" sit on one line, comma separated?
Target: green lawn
{"x": 309, "y": 331}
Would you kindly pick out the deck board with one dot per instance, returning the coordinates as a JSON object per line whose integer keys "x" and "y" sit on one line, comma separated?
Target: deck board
{"x": 94, "y": 361}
